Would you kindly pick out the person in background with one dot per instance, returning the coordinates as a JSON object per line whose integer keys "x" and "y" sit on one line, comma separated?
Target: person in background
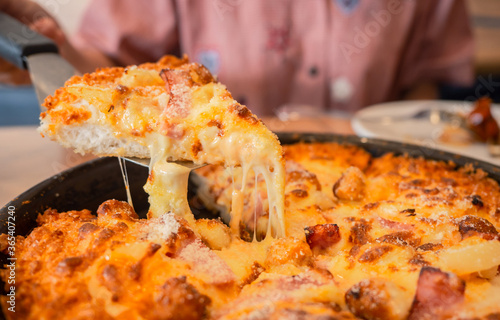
{"x": 338, "y": 55}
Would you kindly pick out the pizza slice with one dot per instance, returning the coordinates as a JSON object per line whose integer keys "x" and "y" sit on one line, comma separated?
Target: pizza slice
{"x": 172, "y": 110}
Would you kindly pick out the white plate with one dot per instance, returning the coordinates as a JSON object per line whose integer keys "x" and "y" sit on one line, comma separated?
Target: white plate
{"x": 418, "y": 131}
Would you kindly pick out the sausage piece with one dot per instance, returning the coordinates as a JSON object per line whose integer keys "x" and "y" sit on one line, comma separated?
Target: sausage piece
{"x": 322, "y": 236}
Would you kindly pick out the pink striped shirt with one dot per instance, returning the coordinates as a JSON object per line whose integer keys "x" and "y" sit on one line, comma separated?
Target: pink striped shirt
{"x": 330, "y": 54}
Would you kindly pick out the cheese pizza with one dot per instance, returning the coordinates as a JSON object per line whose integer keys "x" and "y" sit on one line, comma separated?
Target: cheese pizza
{"x": 169, "y": 110}
{"x": 391, "y": 237}
{"x": 400, "y": 237}
{"x": 307, "y": 231}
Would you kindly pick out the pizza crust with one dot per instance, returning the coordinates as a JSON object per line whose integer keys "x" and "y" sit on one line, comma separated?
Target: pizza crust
{"x": 172, "y": 110}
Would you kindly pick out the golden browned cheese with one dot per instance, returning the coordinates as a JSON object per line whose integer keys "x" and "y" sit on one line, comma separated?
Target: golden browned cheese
{"x": 79, "y": 266}
{"x": 408, "y": 239}
{"x": 171, "y": 110}
{"x": 375, "y": 223}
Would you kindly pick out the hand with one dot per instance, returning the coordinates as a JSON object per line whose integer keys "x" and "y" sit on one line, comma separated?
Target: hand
{"x": 11, "y": 75}
{"x": 34, "y": 16}
{"x": 38, "y": 19}
{"x": 49, "y": 28}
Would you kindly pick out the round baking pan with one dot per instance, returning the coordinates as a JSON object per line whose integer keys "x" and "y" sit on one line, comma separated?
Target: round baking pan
{"x": 90, "y": 184}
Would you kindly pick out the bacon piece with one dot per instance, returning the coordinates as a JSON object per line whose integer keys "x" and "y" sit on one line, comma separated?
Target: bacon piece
{"x": 322, "y": 236}
{"x": 192, "y": 74}
{"x": 178, "y": 83}
{"x": 438, "y": 294}
{"x": 173, "y": 77}
{"x": 471, "y": 226}
{"x": 351, "y": 185}
{"x": 179, "y": 88}
{"x": 390, "y": 224}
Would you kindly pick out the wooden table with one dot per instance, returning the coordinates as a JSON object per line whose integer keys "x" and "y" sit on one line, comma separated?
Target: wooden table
{"x": 27, "y": 159}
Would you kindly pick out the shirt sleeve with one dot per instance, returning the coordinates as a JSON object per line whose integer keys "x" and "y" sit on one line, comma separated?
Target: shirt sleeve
{"x": 441, "y": 45}
{"x": 130, "y": 31}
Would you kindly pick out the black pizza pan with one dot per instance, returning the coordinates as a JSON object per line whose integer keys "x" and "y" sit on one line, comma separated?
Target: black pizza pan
{"x": 90, "y": 184}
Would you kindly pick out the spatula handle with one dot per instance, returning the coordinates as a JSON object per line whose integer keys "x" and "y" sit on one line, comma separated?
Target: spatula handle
{"x": 17, "y": 41}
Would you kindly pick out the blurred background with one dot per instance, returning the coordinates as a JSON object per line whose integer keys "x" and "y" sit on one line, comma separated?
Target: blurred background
{"x": 18, "y": 104}
{"x": 485, "y": 18}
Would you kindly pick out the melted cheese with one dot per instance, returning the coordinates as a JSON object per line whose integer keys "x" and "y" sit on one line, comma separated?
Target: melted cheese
{"x": 377, "y": 224}
{"x": 167, "y": 187}
{"x": 167, "y": 183}
{"x": 185, "y": 116}
{"x": 406, "y": 215}
{"x": 119, "y": 266}
{"x": 123, "y": 169}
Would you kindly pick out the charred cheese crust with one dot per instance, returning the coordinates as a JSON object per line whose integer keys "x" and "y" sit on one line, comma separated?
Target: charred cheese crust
{"x": 416, "y": 239}
{"x": 169, "y": 110}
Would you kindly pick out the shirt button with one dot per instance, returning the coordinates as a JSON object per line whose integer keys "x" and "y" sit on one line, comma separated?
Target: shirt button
{"x": 242, "y": 100}
{"x": 341, "y": 89}
{"x": 313, "y": 71}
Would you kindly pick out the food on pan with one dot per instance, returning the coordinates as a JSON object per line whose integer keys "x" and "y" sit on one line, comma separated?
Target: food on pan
{"x": 169, "y": 110}
{"x": 478, "y": 125}
{"x": 308, "y": 231}
{"x": 374, "y": 238}
{"x": 481, "y": 121}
